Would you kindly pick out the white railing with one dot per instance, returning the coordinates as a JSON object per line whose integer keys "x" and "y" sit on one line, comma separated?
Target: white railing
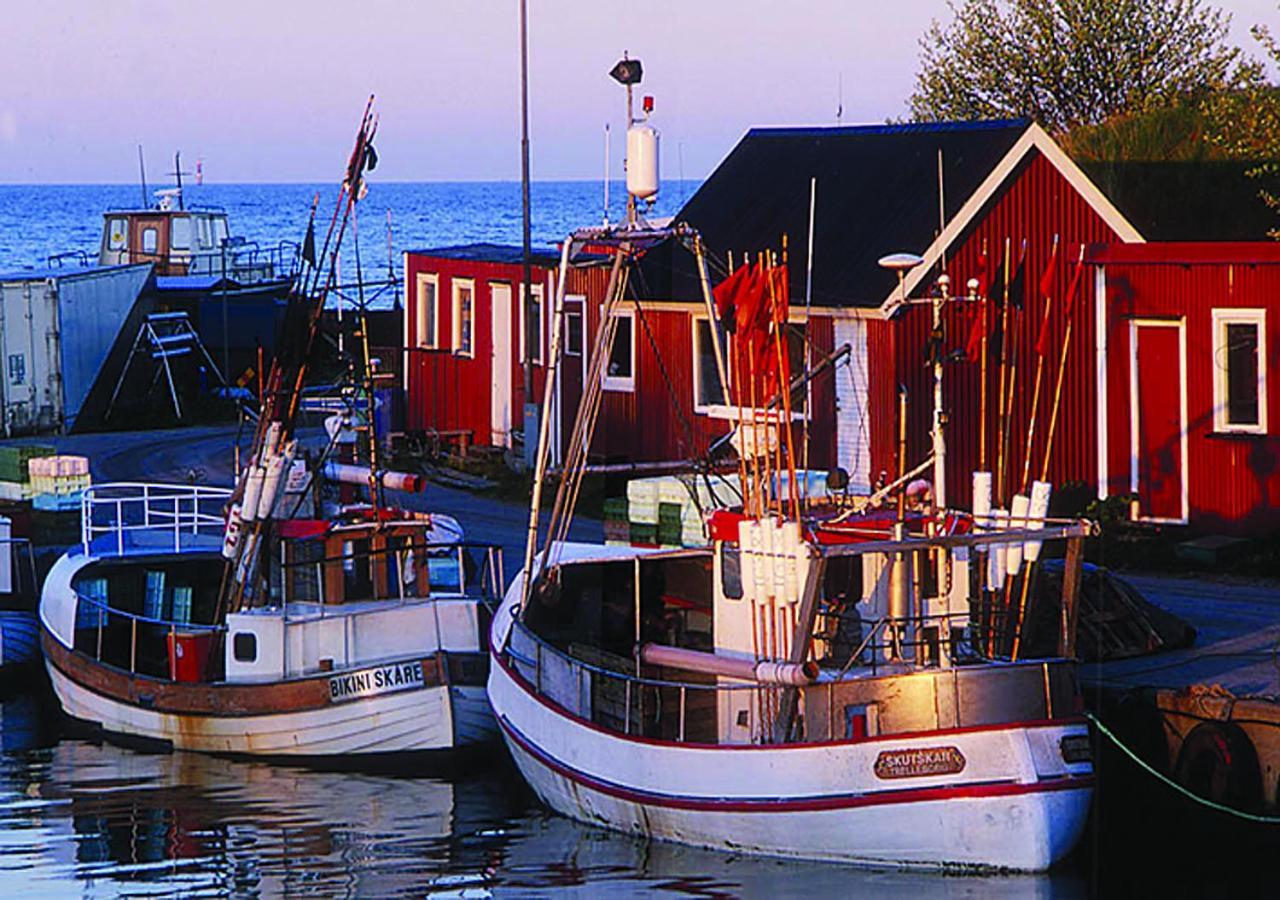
{"x": 124, "y": 517}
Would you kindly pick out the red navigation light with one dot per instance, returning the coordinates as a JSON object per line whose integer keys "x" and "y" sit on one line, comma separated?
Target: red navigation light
{"x": 648, "y": 104}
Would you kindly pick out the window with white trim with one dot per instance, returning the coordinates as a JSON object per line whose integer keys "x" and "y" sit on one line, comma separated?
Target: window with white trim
{"x": 464, "y": 296}
{"x": 620, "y": 368}
{"x": 707, "y": 389}
{"x": 427, "y": 311}
{"x": 572, "y": 333}
{"x": 1239, "y": 371}
{"x": 537, "y": 323}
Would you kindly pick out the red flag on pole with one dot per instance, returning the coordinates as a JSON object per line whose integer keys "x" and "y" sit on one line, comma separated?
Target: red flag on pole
{"x": 1068, "y": 305}
{"x": 1046, "y": 291}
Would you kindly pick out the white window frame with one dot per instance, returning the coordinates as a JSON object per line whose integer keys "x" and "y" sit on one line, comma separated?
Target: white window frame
{"x": 703, "y": 408}
{"x": 541, "y": 296}
{"x": 613, "y": 382}
{"x": 420, "y": 315}
{"x": 1222, "y": 317}
{"x": 457, "y": 285}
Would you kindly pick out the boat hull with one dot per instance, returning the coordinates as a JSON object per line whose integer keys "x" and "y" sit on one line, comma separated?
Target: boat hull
{"x": 1011, "y": 801}
{"x": 433, "y": 717}
{"x": 1019, "y": 827}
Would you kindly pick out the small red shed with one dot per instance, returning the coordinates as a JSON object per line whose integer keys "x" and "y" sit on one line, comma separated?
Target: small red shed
{"x": 1185, "y": 416}
{"x": 464, "y": 339}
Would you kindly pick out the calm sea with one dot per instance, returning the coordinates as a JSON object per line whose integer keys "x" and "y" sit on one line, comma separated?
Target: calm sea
{"x": 40, "y": 221}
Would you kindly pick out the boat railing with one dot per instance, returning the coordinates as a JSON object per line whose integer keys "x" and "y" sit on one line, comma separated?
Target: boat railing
{"x": 79, "y": 257}
{"x": 97, "y": 638}
{"x": 611, "y": 692}
{"x": 132, "y": 517}
{"x": 240, "y": 260}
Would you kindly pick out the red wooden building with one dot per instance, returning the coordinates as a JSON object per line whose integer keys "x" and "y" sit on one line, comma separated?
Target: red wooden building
{"x": 877, "y": 192}
{"x": 1185, "y": 415}
{"x": 464, "y": 339}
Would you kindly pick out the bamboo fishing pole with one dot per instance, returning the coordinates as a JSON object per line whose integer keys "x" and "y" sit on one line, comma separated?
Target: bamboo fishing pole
{"x": 984, "y": 311}
{"x": 1035, "y": 393}
{"x": 1069, "y": 302}
{"x": 1004, "y": 356}
{"x": 779, "y": 333}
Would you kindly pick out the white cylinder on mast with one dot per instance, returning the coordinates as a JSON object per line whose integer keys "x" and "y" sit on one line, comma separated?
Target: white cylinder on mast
{"x": 642, "y": 161}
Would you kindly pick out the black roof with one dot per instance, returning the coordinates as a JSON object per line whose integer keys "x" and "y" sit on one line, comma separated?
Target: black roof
{"x": 1196, "y": 200}
{"x": 877, "y": 194}
{"x": 492, "y": 253}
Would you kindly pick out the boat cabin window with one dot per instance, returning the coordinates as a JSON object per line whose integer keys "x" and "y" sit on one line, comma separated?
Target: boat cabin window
{"x": 219, "y": 225}
{"x": 244, "y": 646}
{"x": 150, "y": 239}
{"x": 589, "y": 610}
{"x": 731, "y": 571}
{"x": 17, "y": 368}
{"x": 180, "y": 233}
{"x": 202, "y": 231}
{"x": 117, "y": 233}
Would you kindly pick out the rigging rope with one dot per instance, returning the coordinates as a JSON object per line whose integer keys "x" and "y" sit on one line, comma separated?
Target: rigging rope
{"x": 1165, "y": 779}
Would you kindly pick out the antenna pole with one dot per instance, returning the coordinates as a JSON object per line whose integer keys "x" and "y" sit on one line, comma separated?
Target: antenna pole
{"x": 526, "y": 276}
{"x": 142, "y": 177}
{"x": 631, "y": 200}
{"x": 177, "y": 173}
{"x": 606, "y": 173}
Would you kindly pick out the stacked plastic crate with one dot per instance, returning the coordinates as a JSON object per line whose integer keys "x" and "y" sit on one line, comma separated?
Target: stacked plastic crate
{"x": 15, "y": 477}
{"x": 668, "y": 511}
{"x": 58, "y": 482}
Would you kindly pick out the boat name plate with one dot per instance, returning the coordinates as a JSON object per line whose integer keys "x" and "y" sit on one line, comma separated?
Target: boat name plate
{"x": 919, "y": 761}
{"x": 380, "y": 680}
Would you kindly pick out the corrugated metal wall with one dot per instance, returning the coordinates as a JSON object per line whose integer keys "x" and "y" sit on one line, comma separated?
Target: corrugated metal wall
{"x": 1037, "y": 204}
{"x": 1233, "y": 479}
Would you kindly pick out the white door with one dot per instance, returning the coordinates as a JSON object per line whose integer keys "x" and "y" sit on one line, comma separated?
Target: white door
{"x": 500, "y": 322}
{"x": 853, "y": 418}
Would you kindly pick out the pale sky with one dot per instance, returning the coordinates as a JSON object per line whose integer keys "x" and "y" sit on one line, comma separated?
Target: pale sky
{"x": 271, "y": 90}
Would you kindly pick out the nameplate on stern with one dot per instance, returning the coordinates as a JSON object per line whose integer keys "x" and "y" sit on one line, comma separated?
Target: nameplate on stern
{"x": 919, "y": 762}
{"x": 379, "y": 680}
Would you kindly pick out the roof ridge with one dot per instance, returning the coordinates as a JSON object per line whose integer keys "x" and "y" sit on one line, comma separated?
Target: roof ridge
{"x": 889, "y": 128}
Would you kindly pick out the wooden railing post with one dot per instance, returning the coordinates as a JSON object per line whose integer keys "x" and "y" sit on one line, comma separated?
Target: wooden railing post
{"x": 1070, "y": 597}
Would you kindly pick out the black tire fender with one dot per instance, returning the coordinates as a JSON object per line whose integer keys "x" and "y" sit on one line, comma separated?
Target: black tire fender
{"x": 1218, "y": 762}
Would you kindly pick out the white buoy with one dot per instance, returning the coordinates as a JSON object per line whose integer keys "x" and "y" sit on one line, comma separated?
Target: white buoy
{"x": 1040, "y": 493}
{"x": 1017, "y": 519}
{"x": 642, "y": 161}
{"x": 996, "y": 554}
{"x": 981, "y": 498}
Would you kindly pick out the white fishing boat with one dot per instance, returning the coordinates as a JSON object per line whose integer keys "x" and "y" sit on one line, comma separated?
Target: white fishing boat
{"x": 373, "y": 646}
{"x": 260, "y": 620}
{"x": 814, "y": 684}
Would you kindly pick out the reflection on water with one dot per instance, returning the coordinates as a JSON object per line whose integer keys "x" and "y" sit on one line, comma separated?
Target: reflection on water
{"x": 88, "y": 818}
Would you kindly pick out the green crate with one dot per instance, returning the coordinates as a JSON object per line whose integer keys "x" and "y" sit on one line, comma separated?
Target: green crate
{"x": 14, "y": 459}
{"x": 644, "y": 533}
{"x": 615, "y": 509}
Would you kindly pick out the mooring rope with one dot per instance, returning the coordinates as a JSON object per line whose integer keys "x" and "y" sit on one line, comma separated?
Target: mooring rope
{"x": 1181, "y": 789}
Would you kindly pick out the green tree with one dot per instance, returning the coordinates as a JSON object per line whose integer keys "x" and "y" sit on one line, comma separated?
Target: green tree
{"x": 1067, "y": 63}
{"x": 1245, "y": 123}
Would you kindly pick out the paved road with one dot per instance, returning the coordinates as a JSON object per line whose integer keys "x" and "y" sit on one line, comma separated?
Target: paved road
{"x": 204, "y": 455}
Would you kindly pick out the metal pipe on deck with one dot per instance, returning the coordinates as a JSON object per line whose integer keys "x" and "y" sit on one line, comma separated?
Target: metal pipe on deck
{"x": 344, "y": 473}
{"x": 764, "y": 672}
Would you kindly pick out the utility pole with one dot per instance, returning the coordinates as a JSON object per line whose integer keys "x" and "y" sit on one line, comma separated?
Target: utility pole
{"x": 526, "y": 294}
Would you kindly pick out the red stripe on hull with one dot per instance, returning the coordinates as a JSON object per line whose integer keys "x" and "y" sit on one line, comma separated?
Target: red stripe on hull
{"x": 811, "y": 804}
